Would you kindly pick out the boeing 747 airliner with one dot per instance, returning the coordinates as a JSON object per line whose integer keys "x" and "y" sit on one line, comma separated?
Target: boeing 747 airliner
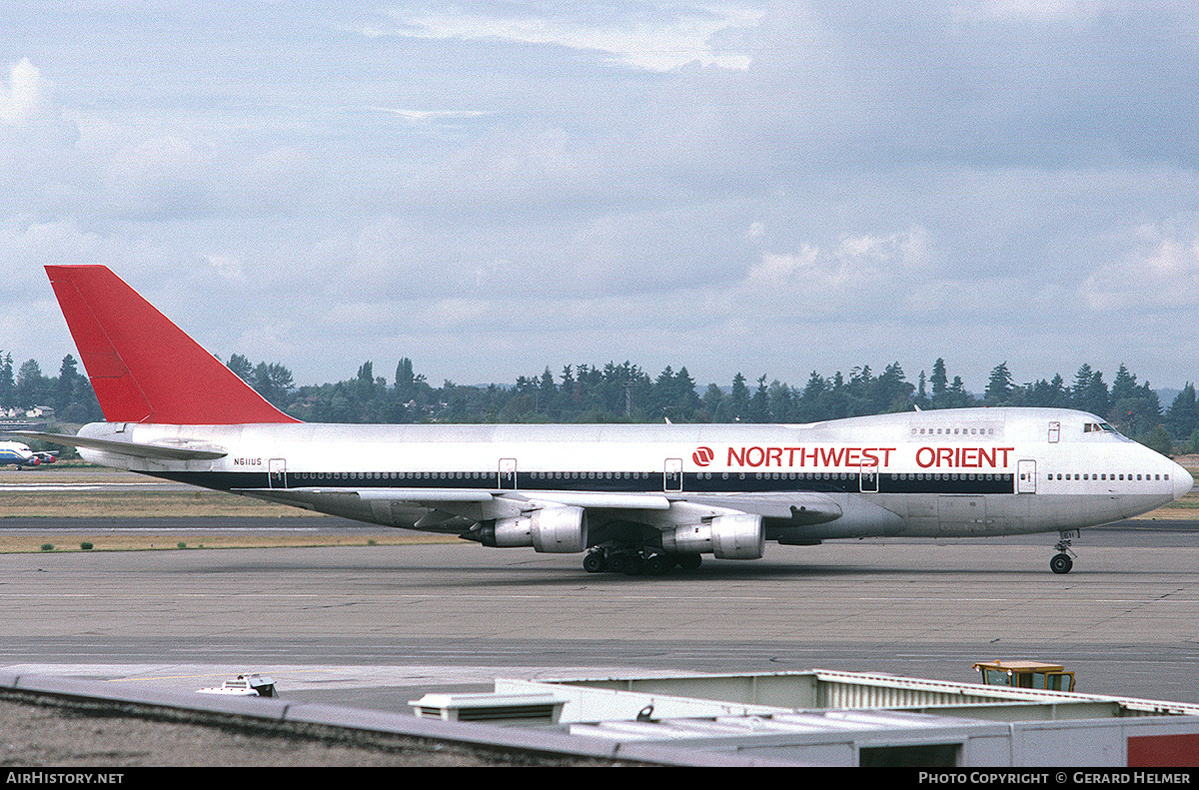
{"x": 634, "y": 498}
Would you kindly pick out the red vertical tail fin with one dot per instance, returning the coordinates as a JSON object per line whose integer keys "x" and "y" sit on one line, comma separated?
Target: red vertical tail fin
{"x": 142, "y": 367}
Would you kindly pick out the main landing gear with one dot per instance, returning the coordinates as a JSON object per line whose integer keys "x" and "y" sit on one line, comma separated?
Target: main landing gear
{"x": 636, "y": 561}
{"x": 1061, "y": 562}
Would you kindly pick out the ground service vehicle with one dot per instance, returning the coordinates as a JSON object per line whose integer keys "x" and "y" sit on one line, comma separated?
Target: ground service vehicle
{"x": 1025, "y": 675}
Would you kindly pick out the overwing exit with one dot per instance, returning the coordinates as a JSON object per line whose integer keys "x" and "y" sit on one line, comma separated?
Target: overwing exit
{"x": 631, "y": 498}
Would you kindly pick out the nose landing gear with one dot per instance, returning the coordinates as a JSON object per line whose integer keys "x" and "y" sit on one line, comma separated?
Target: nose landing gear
{"x": 1061, "y": 562}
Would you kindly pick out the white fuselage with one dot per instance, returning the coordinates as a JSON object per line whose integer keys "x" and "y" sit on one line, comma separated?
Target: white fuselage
{"x": 938, "y": 473}
{"x": 16, "y": 453}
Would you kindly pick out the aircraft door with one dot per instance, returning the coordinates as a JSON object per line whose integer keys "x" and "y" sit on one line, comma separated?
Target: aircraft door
{"x": 672, "y": 475}
{"x": 1055, "y": 432}
{"x": 507, "y": 474}
{"x": 1026, "y": 477}
{"x": 277, "y": 473}
{"x": 868, "y": 479}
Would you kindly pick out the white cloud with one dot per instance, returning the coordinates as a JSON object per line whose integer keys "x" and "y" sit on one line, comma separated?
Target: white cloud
{"x": 654, "y": 39}
{"x": 28, "y": 115}
{"x": 557, "y": 182}
{"x": 22, "y": 99}
{"x": 228, "y": 268}
{"x": 1159, "y": 270}
{"x": 159, "y": 177}
{"x": 417, "y": 116}
{"x": 861, "y": 264}
{"x": 29, "y": 244}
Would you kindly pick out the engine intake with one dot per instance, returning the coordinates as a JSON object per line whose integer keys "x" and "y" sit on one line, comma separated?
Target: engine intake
{"x": 736, "y": 537}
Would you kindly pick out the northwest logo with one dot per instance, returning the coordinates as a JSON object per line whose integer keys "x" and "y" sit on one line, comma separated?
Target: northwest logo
{"x": 703, "y": 456}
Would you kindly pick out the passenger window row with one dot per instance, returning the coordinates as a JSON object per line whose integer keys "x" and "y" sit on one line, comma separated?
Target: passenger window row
{"x": 953, "y": 431}
{"x": 1129, "y": 476}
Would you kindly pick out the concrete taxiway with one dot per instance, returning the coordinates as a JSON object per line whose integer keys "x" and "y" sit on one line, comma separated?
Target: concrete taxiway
{"x": 376, "y": 626}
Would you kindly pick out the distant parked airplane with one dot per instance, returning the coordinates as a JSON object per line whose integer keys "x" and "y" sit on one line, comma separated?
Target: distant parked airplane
{"x": 20, "y": 454}
{"x": 636, "y": 498}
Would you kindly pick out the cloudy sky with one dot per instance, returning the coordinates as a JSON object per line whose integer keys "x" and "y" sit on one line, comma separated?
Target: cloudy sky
{"x": 489, "y": 188}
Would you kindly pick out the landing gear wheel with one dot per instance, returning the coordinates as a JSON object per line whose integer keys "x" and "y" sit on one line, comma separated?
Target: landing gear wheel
{"x": 634, "y": 565}
{"x": 658, "y": 565}
{"x": 689, "y": 562}
{"x": 595, "y": 562}
{"x": 1061, "y": 562}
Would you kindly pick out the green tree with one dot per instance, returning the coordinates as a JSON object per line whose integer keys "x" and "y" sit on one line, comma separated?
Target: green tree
{"x": 1159, "y": 440}
{"x": 241, "y": 366}
{"x": 405, "y": 379}
{"x": 940, "y": 385}
{"x": 921, "y": 399}
{"x": 739, "y": 399}
{"x": 7, "y": 383}
{"x": 32, "y": 387}
{"x": 1183, "y": 416}
{"x": 1124, "y": 386}
{"x": 999, "y": 386}
{"x": 759, "y": 404}
{"x": 273, "y": 382}
{"x": 957, "y": 395}
{"x": 1089, "y": 392}
{"x": 712, "y": 401}
{"x": 66, "y": 386}
{"x": 893, "y": 392}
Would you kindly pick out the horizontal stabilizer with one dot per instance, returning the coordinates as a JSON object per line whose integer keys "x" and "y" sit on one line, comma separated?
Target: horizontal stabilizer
{"x": 176, "y": 450}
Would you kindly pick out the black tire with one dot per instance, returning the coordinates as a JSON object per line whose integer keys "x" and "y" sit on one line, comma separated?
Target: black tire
{"x": 658, "y": 565}
{"x": 1061, "y": 563}
{"x": 689, "y": 562}
{"x": 595, "y": 563}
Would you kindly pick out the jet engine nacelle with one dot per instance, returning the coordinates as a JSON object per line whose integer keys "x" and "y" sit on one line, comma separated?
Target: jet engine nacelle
{"x": 560, "y": 530}
{"x": 736, "y": 537}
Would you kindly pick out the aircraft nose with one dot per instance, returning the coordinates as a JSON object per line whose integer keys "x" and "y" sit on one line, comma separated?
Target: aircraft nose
{"x": 1182, "y": 481}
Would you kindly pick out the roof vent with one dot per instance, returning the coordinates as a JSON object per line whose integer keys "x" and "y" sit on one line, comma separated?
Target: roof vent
{"x": 493, "y": 708}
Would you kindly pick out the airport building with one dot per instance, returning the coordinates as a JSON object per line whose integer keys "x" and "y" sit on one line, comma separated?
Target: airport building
{"x": 813, "y": 718}
{"x": 849, "y": 719}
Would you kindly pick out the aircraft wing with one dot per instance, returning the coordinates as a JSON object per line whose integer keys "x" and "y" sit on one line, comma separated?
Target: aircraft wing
{"x": 453, "y": 508}
{"x": 798, "y": 507}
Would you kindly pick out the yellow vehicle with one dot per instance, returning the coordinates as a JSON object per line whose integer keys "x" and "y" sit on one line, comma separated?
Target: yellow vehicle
{"x": 1025, "y": 675}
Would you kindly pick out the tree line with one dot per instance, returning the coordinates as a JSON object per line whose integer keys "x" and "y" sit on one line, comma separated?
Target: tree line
{"x": 628, "y": 393}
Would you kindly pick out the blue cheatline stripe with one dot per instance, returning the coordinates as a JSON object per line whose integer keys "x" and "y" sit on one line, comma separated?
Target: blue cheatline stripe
{"x": 623, "y": 482}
